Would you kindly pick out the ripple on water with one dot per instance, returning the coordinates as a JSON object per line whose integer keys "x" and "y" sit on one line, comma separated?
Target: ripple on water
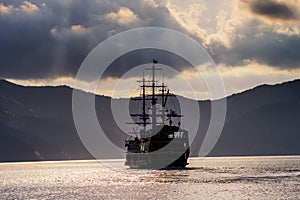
{"x": 209, "y": 178}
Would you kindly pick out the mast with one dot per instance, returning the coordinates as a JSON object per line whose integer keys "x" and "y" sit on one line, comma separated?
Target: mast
{"x": 149, "y": 93}
{"x": 162, "y": 99}
{"x": 144, "y": 103}
{"x": 153, "y": 95}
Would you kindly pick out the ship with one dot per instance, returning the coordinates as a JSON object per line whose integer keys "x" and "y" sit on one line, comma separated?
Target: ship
{"x": 159, "y": 143}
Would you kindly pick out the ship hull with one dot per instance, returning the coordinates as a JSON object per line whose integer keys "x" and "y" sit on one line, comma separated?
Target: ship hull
{"x": 156, "y": 160}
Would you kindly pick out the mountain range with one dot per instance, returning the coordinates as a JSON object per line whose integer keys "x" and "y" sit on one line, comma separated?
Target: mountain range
{"x": 36, "y": 123}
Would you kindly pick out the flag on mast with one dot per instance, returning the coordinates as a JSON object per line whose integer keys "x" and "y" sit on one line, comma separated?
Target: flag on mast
{"x": 155, "y": 61}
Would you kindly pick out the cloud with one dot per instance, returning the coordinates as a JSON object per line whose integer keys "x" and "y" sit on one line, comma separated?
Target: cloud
{"x": 5, "y": 9}
{"x": 271, "y": 9}
{"x": 210, "y": 21}
{"x": 235, "y": 36}
{"x": 51, "y": 38}
{"x": 28, "y": 7}
{"x": 54, "y": 40}
{"x": 45, "y": 42}
{"x": 123, "y": 17}
{"x": 140, "y": 57}
{"x": 25, "y": 6}
{"x": 271, "y": 49}
{"x": 79, "y": 29}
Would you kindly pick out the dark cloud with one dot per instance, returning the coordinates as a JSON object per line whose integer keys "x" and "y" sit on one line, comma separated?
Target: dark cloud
{"x": 264, "y": 43}
{"x": 42, "y": 44}
{"x": 144, "y": 56}
{"x": 273, "y": 9}
{"x": 269, "y": 48}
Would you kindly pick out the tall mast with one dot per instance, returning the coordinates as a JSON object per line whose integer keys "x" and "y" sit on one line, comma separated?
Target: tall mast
{"x": 144, "y": 103}
{"x": 146, "y": 88}
{"x": 153, "y": 96}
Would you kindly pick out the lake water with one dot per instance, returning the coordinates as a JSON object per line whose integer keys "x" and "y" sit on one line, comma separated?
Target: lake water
{"x": 209, "y": 178}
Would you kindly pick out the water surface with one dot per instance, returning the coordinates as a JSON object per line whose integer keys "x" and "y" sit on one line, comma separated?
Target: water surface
{"x": 209, "y": 178}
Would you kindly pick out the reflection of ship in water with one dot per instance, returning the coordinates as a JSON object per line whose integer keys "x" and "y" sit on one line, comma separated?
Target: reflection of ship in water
{"x": 161, "y": 142}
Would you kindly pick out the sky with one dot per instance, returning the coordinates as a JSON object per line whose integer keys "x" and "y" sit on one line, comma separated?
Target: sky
{"x": 252, "y": 42}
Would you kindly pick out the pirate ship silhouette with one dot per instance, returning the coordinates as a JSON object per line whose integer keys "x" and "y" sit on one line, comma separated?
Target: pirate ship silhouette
{"x": 159, "y": 143}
